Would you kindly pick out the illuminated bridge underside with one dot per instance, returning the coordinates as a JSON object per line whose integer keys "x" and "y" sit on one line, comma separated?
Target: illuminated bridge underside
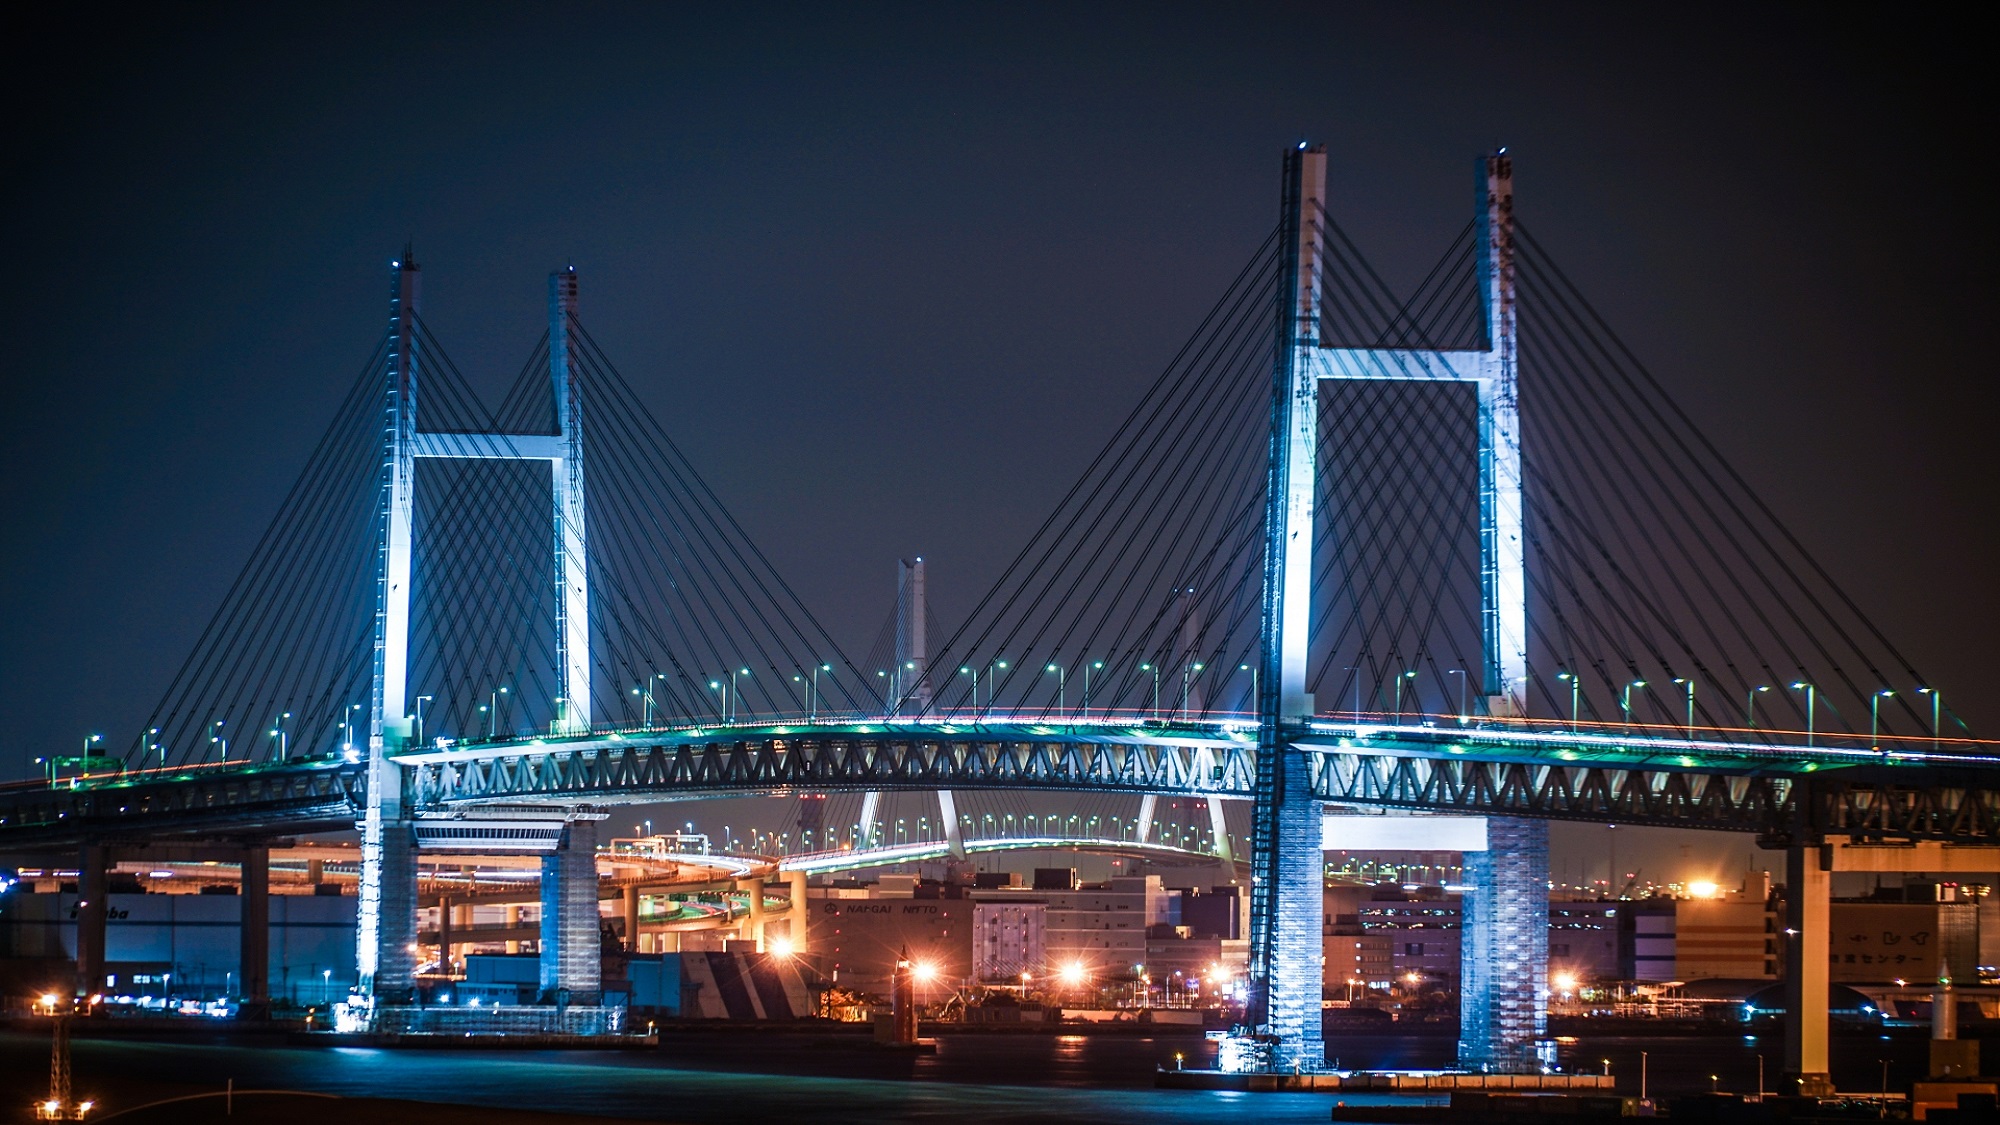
{"x": 820, "y": 862}
{"x": 261, "y": 800}
{"x": 1785, "y": 794}
{"x": 627, "y": 770}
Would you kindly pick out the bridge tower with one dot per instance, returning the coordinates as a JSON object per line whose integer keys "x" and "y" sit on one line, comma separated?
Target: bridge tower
{"x": 911, "y": 689}
{"x": 387, "y": 918}
{"x": 1504, "y": 988}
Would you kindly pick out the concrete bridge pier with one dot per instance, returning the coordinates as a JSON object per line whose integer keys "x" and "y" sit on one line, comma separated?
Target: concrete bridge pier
{"x": 254, "y": 934}
{"x": 753, "y": 922}
{"x": 1504, "y": 949}
{"x": 1808, "y": 914}
{"x": 392, "y": 978}
{"x": 92, "y": 899}
{"x": 1296, "y": 902}
{"x": 572, "y": 969}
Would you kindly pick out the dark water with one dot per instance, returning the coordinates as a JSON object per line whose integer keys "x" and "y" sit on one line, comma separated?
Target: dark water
{"x": 733, "y": 1077}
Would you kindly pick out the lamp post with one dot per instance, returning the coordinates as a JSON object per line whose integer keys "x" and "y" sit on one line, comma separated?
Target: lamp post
{"x": 1463, "y": 688}
{"x": 1688, "y": 683}
{"x": 1187, "y": 675}
{"x": 1625, "y": 699}
{"x": 421, "y": 700}
{"x": 964, "y": 671}
{"x": 1408, "y": 675}
{"x": 1875, "y": 719}
{"x": 1086, "y": 685}
{"x": 1062, "y": 688}
{"x": 1156, "y": 686}
{"x": 1937, "y": 701}
{"x": 645, "y": 705}
{"x": 1812, "y": 699}
{"x": 722, "y": 693}
{"x": 990, "y": 689}
{"x": 812, "y": 700}
{"x": 1750, "y": 705}
{"x": 493, "y": 711}
{"x": 733, "y": 691}
{"x": 1256, "y": 705}
{"x": 1575, "y": 696}
{"x": 152, "y": 733}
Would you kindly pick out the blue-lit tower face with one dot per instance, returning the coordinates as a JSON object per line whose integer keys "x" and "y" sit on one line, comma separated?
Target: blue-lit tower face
{"x": 1287, "y": 841}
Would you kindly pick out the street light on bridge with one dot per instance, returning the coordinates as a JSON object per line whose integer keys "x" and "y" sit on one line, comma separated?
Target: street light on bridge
{"x": 1750, "y": 705}
{"x": 1408, "y": 675}
{"x": 1062, "y": 689}
{"x": 1688, "y": 682}
{"x": 1575, "y": 696}
{"x": 1812, "y": 699}
{"x": 990, "y": 689}
{"x": 1187, "y": 674}
{"x": 1875, "y": 719}
{"x": 1464, "y": 688}
{"x": 1937, "y": 705}
{"x": 1625, "y": 699}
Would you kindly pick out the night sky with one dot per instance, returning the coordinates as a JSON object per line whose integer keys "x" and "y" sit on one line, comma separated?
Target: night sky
{"x": 892, "y": 274}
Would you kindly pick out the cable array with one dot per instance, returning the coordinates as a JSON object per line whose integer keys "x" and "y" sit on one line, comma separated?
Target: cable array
{"x": 1137, "y": 596}
{"x": 689, "y": 622}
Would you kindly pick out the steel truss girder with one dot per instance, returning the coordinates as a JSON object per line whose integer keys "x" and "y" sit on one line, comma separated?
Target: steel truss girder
{"x": 273, "y": 801}
{"x": 1780, "y": 808}
{"x": 1783, "y": 807}
{"x": 752, "y": 766}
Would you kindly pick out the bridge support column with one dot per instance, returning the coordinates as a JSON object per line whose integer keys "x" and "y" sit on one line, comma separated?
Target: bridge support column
{"x": 391, "y": 963}
{"x": 1808, "y": 911}
{"x": 1292, "y": 983}
{"x": 93, "y": 898}
{"x": 572, "y": 956}
{"x": 1218, "y": 826}
{"x": 795, "y": 914}
{"x": 753, "y": 922}
{"x": 631, "y": 905}
{"x": 444, "y": 935}
{"x": 253, "y": 974}
{"x": 1504, "y": 949}
{"x": 953, "y": 839}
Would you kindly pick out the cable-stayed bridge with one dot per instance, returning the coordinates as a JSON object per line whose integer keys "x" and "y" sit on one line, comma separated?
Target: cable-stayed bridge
{"x": 1452, "y": 552}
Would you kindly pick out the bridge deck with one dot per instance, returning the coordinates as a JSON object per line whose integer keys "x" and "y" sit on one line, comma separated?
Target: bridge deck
{"x": 1540, "y": 769}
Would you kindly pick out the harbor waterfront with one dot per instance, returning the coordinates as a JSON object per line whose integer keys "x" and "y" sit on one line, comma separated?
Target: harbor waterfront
{"x": 626, "y": 564}
{"x": 698, "y": 1077}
